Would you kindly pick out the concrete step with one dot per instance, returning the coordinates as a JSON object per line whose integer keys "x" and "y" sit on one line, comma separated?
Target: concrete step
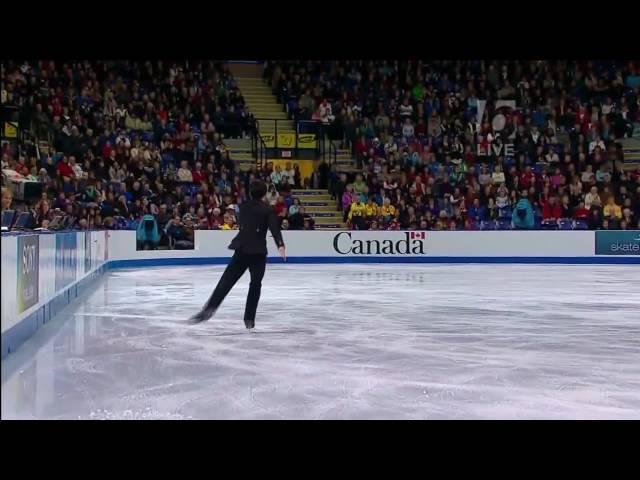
{"x": 250, "y": 80}
{"x": 268, "y": 126}
{"x": 258, "y": 103}
{"x": 242, "y": 69}
{"x": 306, "y": 199}
{"x": 263, "y": 107}
{"x": 269, "y": 115}
{"x": 258, "y": 97}
{"x": 243, "y": 158}
{"x": 271, "y": 131}
{"x": 300, "y": 192}
{"x": 261, "y": 100}
{"x": 327, "y": 205}
{"x": 249, "y": 92}
{"x": 321, "y": 208}
{"x": 236, "y": 143}
{"x": 348, "y": 169}
{"x": 326, "y": 216}
{"x": 331, "y": 226}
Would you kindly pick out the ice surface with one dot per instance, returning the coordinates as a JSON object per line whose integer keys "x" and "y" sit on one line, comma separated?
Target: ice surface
{"x": 341, "y": 342}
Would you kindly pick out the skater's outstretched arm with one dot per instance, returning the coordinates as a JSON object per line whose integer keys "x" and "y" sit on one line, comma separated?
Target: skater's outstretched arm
{"x": 274, "y": 228}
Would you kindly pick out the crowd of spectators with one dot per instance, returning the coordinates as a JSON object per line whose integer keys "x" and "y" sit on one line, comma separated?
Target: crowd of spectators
{"x": 434, "y": 147}
{"x": 128, "y": 139}
{"x": 475, "y": 144}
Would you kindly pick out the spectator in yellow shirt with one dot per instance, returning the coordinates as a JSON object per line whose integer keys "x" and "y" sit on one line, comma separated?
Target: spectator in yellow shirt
{"x": 611, "y": 209}
{"x": 357, "y": 214}
{"x": 387, "y": 210}
{"x": 372, "y": 209}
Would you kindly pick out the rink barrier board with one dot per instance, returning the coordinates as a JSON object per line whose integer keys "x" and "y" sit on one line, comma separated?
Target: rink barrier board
{"x": 69, "y": 262}
{"x": 159, "y": 262}
{"x": 25, "y": 328}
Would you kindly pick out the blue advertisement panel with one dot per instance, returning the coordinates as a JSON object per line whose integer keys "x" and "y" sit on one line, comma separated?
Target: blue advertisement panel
{"x": 618, "y": 242}
{"x": 28, "y": 268}
{"x": 66, "y": 259}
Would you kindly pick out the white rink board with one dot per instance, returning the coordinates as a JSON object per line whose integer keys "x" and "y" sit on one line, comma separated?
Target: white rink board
{"x": 47, "y": 291}
{"x": 208, "y": 243}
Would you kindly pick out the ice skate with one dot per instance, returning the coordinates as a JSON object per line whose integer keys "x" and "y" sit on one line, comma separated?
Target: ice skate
{"x": 202, "y": 316}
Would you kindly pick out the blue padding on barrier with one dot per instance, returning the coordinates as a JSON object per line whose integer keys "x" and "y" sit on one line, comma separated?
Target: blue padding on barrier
{"x": 610, "y": 260}
{"x": 20, "y": 332}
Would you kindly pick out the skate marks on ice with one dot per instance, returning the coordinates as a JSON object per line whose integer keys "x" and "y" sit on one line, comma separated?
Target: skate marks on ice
{"x": 350, "y": 341}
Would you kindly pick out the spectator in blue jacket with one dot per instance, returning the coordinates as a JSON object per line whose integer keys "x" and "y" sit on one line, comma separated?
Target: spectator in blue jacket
{"x": 523, "y": 214}
{"x": 147, "y": 233}
{"x": 477, "y": 212}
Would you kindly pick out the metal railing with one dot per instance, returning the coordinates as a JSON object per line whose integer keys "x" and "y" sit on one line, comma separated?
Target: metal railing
{"x": 333, "y": 154}
{"x": 298, "y": 140}
{"x": 261, "y": 158}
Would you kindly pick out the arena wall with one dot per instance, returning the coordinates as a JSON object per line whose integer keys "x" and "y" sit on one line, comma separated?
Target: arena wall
{"x": 402, "y": 247}
{"x": 43, "y": 273}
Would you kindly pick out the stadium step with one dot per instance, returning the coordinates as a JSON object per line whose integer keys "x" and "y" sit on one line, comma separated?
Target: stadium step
{"x": 285, "y": 126}
{"x": 264, "y": 115}
{"x": 315, "y": 198}
{"x": 301, "y": 193}
{"x": 631, "y": 152}
{"x": 320, "y": 208}
{"x": 319, "y": 205}
{"x": 264, "y": 105}
{"x": 335, "y": 226}
{"x": 259, "y": 99}
{"x": 325, "y": 217}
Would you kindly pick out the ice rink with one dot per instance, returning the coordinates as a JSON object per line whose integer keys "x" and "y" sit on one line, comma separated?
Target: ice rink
{"x": 341, "y": 342}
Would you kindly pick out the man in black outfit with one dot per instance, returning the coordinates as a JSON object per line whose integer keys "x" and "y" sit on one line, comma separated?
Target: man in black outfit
{"x": 250, "y": 247}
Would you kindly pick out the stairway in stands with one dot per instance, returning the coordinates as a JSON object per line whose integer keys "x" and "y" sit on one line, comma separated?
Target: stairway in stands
{"x": 631, "y": 151}
{"x": 264, "y": 105}
{"x": 323, "y": 210}
{"x": 345, "y": 161}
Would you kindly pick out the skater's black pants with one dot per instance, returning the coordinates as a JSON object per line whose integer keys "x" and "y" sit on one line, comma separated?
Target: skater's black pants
{"x": 236, "y": 268}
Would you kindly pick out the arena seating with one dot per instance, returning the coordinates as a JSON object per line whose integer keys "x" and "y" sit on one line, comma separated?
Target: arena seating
{"x": 445, "y": 132}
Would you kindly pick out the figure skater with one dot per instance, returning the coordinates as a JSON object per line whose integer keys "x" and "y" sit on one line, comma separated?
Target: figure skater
{"x": 250, "y": 247}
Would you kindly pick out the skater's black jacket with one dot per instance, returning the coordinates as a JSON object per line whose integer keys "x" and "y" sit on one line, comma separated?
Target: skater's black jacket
{"x": 255, "y": 218}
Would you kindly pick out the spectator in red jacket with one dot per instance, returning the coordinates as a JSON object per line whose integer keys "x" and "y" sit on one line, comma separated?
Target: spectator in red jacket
{"x": 527, "y": 178}
{"x": 280, "y": 207}
{"x": 64, "y": 169}
{"x": 581, "y": 212}
{"x": 197, "y": 173}
{"x": 551, "y": 210}
{"x": 216, "y": 219}
{"x": 361, "y": 149}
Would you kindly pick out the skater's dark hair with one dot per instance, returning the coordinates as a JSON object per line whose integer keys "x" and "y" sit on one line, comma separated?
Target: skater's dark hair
{"x": 258, "y": 190}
